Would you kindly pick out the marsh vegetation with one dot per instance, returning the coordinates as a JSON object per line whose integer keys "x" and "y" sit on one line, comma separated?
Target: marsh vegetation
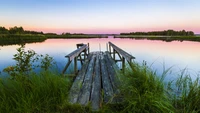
{"x": 141, "y": 90}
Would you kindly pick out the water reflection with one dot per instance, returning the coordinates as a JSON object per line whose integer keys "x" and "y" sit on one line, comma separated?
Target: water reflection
{"x": 158, "y": 53}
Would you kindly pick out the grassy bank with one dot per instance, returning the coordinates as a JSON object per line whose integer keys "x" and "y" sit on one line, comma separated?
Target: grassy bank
{"x": 141, "y": 90}
{"x": 163, "y": 38}
{"x": 9, "y": 39}
{"x": 45, "y": 92}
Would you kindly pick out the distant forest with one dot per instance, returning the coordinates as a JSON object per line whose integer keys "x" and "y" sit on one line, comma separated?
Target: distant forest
{"x": 17, "y": 30}
{"x": 162, "y": 33}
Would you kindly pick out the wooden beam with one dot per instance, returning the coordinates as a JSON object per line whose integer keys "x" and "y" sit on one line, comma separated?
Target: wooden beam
{"x": 96, "y": 86}
{"x": 119, "y": 55}
{"x": 107, "y": 86}
{"x": 77, "y": 84}
{"x": 79, "y": 45}
{"x": 118, "y": 60}
{"x": 67, "y": 65}
{"x": 88, "y": 48}
{"x": 115, "y": 67}
{"x": 123, "y": 64}
{"x": 109, "y": 49}
{"x": 113, "y": 75}
{"x": 113, "y": 53}
{"x": 85, "y": 93}
{"x": 75, "y": 65}
{"x": 80, "y": 59}
{"x": 75, "y": 53}
{"x": 124, "y": 54}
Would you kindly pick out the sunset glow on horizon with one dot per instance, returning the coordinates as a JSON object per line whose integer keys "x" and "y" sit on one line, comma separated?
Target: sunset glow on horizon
{"x": 101, "y": 16}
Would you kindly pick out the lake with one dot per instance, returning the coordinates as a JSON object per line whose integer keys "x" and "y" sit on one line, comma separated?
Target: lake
{"x": 159, "y": 55}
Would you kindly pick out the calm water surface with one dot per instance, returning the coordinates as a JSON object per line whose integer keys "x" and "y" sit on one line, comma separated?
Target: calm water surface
{"x": 158, "y": 54}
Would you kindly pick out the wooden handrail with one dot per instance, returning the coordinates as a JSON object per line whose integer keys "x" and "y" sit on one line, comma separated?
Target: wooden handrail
{"x": 76, "y": 53}
{"x": 124, "y": 54}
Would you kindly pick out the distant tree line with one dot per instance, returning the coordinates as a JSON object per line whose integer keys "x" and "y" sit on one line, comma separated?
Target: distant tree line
{"x": 162, "y": 33}
{"x": 17, "y": 30}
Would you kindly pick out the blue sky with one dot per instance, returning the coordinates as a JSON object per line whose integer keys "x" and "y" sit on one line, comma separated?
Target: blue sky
{"x": 100, "y": 16}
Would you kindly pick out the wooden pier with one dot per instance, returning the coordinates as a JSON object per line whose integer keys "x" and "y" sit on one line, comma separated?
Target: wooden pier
{"x": 98, "y": 79}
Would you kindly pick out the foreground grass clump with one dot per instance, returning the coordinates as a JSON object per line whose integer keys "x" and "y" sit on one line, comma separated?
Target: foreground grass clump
{"x": 142, "y": 92}
{"x": 25, "y": 91}
{"x": 185, "y": 93}
{"x": 44, "y": 92}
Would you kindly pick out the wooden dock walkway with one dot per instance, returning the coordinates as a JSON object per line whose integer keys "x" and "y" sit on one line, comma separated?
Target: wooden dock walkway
{"x": 99, "y": 77}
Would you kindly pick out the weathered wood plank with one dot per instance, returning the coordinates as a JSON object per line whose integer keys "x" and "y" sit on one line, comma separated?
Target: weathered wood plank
{"x": 107, "y": 87}
{"x": 96, "y": 86}
{"x": 127, "y": 56}
{"x": 77, "y": 84}
{"x": 115, "y": 67}
{"x": 111, "y": 72}
{"x": 115, "y": 77}
{"x": 85, "y": 93}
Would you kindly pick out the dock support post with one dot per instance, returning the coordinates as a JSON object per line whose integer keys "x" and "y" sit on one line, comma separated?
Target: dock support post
{"x": 67, "y": 65}
{"x": 88, "y": 48}
{"x": 123, "y": 64}
{"x": 75, "y": 65}
{"x": 114, "y": 54}
{"x": 85, "y": 52}
{"x": 107, "y": 46}
{"x": 109, "y": 49}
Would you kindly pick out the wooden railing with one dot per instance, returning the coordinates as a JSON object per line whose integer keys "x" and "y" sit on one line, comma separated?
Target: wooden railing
{"x": 77, "y": 56}
{"x": 122, "y": 55}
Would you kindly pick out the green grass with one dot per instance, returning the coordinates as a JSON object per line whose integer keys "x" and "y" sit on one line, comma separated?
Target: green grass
{"x": 45, "y": 92}
{"x": 186, "y": 93}
{"x": 145, "y": 92}
{"x": 141, "y": 91}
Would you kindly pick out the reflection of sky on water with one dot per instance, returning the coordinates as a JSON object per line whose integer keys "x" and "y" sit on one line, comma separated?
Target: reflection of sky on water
{"x": 180, "y": 55}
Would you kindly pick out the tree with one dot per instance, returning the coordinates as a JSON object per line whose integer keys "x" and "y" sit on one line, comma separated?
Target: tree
{"x": 3, "y": 30}
{"x": 16, "y": 30}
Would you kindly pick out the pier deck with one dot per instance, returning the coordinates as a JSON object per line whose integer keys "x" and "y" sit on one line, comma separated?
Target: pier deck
{"x": 98, "y": 79}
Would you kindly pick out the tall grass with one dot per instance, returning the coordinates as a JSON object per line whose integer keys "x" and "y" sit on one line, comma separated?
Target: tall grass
{"x": 141, "y": 90}
{"x": 44, "y": 93}
{"x": 144, "y": 91}
{"x": 25, "y": 91}
{"x": 185, "y": 93}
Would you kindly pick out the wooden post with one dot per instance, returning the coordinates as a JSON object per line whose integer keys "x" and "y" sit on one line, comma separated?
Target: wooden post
{"x": 81, "y": 58}
{"x": 114, "y": 54}
{"x": 75, "y": 65}
{"x": 88, "y": 48}
{"x": 107, "y": 46}
{"x": 110, "y": 49}
{"x": 85, "y": 54}
{"x": 67, "y": 65}
{"x": 123, "y": 64}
